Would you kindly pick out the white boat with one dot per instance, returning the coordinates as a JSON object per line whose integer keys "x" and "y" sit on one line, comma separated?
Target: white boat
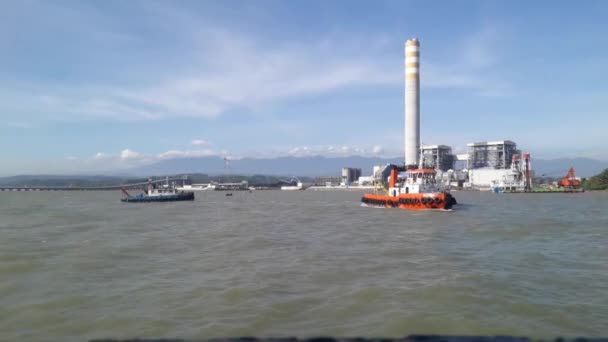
{"x": 342, "y": 187}
{"x": 298, "y": 186}
{"x": 197, "y": 187}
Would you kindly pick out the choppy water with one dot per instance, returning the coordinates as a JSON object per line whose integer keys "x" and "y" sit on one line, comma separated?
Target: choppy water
{"x": 82, "y": 265}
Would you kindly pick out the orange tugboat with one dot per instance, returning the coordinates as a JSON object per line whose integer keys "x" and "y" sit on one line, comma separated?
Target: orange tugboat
{"x": 416, "y": 188}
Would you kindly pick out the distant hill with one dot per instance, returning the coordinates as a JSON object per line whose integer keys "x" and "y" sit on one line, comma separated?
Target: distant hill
{"x": 284, "y": 166}
{"x": 585, "y": 167}
{"x": 59, "y": 180}
{"x": 95, "y": 181}
{"x": 328, "y": 166}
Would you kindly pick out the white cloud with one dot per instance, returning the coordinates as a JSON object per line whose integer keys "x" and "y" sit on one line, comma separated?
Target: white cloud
{"x": 303, "y": 151}
{"x": 130, "y": 158}
{"x": 127, "y": 158}
{"x": 172, "y": 154}
{"x": 479, "y": 48}
{"x": 474, "y": 66}
{"x": 378, "y": 149}
{"x": 336, "y": 151}
{"x": 225, "y": 70}
{"x": 128, "y": 154}
{"x": 282, "y": 71}
{"x": 200, "y": 142}
{"x": 100, "y": 155}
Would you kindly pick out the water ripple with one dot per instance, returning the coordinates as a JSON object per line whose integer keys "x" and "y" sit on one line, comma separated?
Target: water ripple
{"x": 77, "y": 266}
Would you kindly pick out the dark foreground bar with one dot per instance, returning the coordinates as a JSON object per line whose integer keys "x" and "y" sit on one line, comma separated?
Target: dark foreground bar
{"x": 412, "y": 338}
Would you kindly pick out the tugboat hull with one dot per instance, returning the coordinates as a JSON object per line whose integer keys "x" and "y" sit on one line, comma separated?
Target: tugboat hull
{"x": 421, "y": 201}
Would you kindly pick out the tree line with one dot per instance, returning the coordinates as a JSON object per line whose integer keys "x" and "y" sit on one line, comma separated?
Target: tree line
{"x": 597, "y": 182}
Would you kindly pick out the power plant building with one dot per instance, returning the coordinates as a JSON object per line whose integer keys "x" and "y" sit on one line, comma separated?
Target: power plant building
{"x": 491, "y": 154}
{"x": 350, "y": 175}
{"x": 437, "y": 157}
{"x": 491, "y": 164}
{"x": 328, "y": 181}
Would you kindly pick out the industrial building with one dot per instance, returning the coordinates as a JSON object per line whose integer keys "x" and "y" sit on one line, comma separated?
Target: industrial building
{"x": 491, "y": 154}
{"x": 487, "y": 165}
{"x": 494, "y": 164}
{"x": 350, "y": 175}
{"x": 243, "y": 185}
{"x": 328, "y": 181}
{"x": 437, "y": 157}
{"x": 516, "y": 178}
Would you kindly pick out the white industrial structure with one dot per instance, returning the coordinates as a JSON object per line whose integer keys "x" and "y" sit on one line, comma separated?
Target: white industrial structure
{"x": 487, "y": 164}
{"x": 438, "y": 157}
{"x": 492, "y": 154}
{"x": 412, "y": 101}
{"x": 350, "y": 175}
{"x": 517, "y": 178}
{"x": 434, "y": 156}
{"x": 496, "y": 165}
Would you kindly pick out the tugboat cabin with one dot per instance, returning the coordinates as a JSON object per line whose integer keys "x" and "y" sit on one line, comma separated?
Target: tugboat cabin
{"x": 413, "y": 181}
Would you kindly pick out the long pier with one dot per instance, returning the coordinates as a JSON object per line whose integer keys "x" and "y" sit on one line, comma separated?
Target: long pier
{"x": 131, "y": 186}
{"x": 64, "y": 188}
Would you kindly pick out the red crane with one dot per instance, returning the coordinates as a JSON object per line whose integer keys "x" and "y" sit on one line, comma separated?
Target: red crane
{"x": 570, "y": 181}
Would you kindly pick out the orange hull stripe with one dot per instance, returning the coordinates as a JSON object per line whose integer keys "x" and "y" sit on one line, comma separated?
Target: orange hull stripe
{"x": 394, "y": 202}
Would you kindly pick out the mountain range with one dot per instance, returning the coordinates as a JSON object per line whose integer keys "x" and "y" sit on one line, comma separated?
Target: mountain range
{"x": 330, "y": 166}
{"x": 281, "y": 166}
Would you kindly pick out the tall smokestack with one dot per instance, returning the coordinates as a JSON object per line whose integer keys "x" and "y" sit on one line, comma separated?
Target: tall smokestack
{"x": 412, "y": 102}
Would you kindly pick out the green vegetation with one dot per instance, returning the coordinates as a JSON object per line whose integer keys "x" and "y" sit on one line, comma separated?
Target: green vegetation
{"x": 597, "y": 182}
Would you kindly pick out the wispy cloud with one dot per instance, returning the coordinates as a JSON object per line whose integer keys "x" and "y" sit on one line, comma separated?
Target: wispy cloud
{"x": 472, "y": 65}
{"x": 22, "y": 125}
{"x": 223, "y": 70}
{"x": 128, "y": 158}
{"x": 200, "y": 142}
{"x": 245, "y": 75}
{"x": 173, "y": 154}
{"x": 479, "y": 49}
{"x": 129, "y": 154}
{"x": 335, "y": 151}
{"x": 100, "y": 155}
{"x": 242, "y": 73}
{"x": 377, "y": 149}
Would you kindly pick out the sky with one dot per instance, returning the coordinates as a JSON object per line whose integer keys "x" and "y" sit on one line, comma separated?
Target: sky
{"x": 91, "y": 86}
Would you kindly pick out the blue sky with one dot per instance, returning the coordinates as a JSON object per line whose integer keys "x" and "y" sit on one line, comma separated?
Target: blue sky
{"x": 99, "y": 85}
